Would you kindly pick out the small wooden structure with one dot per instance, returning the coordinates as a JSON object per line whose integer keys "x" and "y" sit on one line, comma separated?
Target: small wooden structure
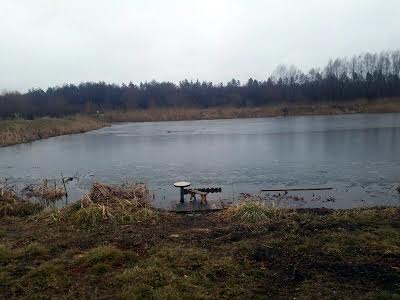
{"x": 203, "y": 192}
{"x": 194, "y": 192}
{"x": 193, "y": 204}
{"x": 197, "y": 206}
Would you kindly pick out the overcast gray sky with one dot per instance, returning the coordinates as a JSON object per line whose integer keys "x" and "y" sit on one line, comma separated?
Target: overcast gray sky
{"x": 51, "y": 42}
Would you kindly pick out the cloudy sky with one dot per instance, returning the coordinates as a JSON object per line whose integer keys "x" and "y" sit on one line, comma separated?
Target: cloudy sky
{"x": 52, "y": 42}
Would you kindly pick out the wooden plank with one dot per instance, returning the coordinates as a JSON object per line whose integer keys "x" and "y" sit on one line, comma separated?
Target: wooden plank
{"x": 300, "y": 189}
{"x": 197, "y": 192}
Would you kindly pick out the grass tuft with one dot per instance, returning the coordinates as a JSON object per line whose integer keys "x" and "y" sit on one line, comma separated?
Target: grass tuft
{"x": 47, "y": 275}
{"x": 252, "y": 211}
{"x": 19, "y": 208}
{"x": 127, "y": 212}
{"x": 91, "y": 215}
{"x": 32, "y": 250}
{"x": 49, "y": 216}
{"x": 102, "y": 254}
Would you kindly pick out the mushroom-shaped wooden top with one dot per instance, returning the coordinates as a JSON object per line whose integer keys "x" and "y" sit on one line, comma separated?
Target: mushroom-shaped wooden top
{"x": 182, "y": 184}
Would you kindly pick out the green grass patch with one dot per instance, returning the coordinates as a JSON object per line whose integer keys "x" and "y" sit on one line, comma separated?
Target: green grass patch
{"x": 32, "y": 251}
{"x": 48, "y": 275}
{"x": 252, "y": 212}
{"x": 101, "y": 254}
{"x": 183, "y": 272}
{"x": 286, "y": 254}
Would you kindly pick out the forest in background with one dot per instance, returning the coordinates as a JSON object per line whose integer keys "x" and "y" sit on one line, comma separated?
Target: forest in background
{"x": 343, "y": 80}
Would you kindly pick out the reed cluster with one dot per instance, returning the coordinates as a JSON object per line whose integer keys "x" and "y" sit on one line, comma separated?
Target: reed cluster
{"x": 46, "y": 190}
{"x": 121, "y": 204}
{"x": 195, "y": 113}
{"x": 12, "y": 205}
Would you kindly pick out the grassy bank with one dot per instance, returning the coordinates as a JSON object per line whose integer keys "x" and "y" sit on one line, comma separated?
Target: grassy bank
{"x": 177, "y": 114}
{"x": 23, "y": 131}
{"x": 109, "y": 246}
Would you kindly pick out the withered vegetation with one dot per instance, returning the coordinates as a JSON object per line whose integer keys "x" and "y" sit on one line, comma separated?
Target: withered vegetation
{"x": 114, "y": 244}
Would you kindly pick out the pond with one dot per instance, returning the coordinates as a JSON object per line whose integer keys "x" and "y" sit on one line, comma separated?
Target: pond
{"x": 357, "y": 155}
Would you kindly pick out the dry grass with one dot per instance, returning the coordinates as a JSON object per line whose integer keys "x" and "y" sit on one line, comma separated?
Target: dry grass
{"x": 91, "y": 215}
{"x": 178, "y": 114}
{"x": 252, "y": 211}
{"x": 11, "y": 205}
{"x": 187, "y": 113}
{"x": 386, "y": 105}
{"x": 49, "y": 216}
{"x": 7, "y": 194}
{"x": 46, "y": 190}
{"x": 122, "y": 204}
{"x": 19, "y": 208}
{"x": 136, "y": 193}
{"x": 23, "y": 131}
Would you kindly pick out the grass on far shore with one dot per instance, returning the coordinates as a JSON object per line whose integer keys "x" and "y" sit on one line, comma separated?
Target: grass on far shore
{"x": 23, "y": 131}
{"x": 187, "y": 113}
{"x": 249, "y": 251}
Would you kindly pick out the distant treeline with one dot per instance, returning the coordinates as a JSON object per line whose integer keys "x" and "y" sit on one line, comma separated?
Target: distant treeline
{"x": 366, "y": 76}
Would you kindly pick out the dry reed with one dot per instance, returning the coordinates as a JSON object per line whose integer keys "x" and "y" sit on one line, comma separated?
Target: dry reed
{"x": 22, "y": 131}
{"x": 136, "y": 193}
{"x": 192, "y": 113}
{"x": 12, "y": 205}
{"x": 122, "y": 204}
{"x": 45, "y": 190}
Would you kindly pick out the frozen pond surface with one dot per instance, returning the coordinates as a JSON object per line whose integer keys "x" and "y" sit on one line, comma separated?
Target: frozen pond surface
{"x": 357, "y": 155}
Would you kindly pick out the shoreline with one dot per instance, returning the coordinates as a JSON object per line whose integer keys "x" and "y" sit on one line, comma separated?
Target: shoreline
{"x": 13, "y": 132}
{"x": 216, "y": 113}
{"x": 113, "y": 245}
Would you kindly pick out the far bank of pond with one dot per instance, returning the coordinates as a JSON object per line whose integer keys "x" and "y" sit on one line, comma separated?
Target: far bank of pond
{"x": 22, "y": 131}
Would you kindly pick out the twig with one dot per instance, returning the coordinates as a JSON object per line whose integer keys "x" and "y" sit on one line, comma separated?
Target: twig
{"x": 65, "y": 188}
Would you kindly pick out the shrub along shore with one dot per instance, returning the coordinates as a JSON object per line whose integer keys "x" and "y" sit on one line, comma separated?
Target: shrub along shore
{"x": 114, "y": 244}
{"x": 22, "y": 131}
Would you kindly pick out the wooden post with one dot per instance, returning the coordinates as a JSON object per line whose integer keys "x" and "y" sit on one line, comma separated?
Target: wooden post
{"x": 182, "y": 185}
